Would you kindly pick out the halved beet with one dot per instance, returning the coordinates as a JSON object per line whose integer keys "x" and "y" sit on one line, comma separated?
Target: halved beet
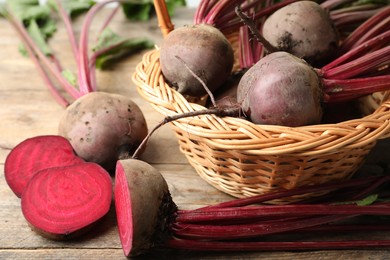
{"x": 63, "y": 202}
{"x": 144, "y": 206}
{"x": 35, "y": 154}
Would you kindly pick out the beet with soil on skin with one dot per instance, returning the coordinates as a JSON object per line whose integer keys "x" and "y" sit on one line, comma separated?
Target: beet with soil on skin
{"x": 206, "y": 52}
{"x": 35, "y": 154}
{"x": 304, "y": 29}
{"x": 103, "y": 127}
{"x": 281, "y": 89}
{"x": 64, "y": 202}
{"x": 144, "y": 206}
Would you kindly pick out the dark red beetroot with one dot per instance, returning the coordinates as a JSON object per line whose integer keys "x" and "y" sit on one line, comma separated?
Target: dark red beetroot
{"x": 35, "y": 154}
{"x": 281, "y": 89}
{"x": 143, "y": 205}
{"x": 205, "y": 50}
{"x": 103, "y": 127}
{"x": 304, "y": 29}
{"x": 64, "y": 202}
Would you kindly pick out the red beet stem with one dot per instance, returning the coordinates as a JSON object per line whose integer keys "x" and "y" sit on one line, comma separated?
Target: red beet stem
{"x": 370, "y": 28}
{"x": 347, "y": 89}
{"x": 374, "y": 43}
{"x": 200, "y": 13}
{"x": 249, "y": 53}
{"x": 330, "y": 186}
{"x": 42, "y": 72}
{"x": 220, "y": 214}
{"x": 352, "y": 15}
{"x": 337, "y": 228}
{"x": 187, "y": 244}
{"x": 84, "y": 73}
{"x": 228, "y": 23}
{"x": 86, "y": 79}
{"x": 69, "y": 30}
{"x": 231, "y": 17}
{"x": 331, "y": 4}
{"x": 229, "y": 232}
{"x": 219, "y": 9}
{"x": 26, "y": 38}
{"x": 364, "y": 64}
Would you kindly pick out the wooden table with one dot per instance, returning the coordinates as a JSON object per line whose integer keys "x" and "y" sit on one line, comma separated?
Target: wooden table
{"x": 27, "y": 109}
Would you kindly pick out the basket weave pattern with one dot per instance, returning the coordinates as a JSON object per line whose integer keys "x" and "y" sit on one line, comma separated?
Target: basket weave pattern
{"x": 245, "y": 159}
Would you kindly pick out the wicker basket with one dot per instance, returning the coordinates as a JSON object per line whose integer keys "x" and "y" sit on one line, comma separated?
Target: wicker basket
{"x": 245, "y": 159}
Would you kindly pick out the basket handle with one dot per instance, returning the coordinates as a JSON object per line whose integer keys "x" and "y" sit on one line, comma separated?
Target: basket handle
{"x": 164, "y": 20}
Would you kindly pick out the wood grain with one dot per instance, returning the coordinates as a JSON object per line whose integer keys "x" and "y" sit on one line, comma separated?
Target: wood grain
{"x": 27, "y": 110}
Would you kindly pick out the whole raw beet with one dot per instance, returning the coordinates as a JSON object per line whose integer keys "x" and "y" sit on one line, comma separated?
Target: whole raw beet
{"x": 103, "y": 127}
{"x": 205, "y": 50}
{"x": 304, "y": 29}
{"x": 281, "y": 89}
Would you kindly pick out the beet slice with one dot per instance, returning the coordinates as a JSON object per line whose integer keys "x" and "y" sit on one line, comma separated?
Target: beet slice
{"x": 144, "y": 206}
{"x": 64, "y": 202}
{"x": 35, "y": 154}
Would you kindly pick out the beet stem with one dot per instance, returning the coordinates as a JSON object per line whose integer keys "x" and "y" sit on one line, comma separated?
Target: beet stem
{"x": 347, "y": 89}
{"x": 371, "y": 27}
{"x": 232, "y": 24}
{"x": 363, "y": 64}
{"x": 25, "y": 37}
{"x": 246, "y": 20}
{"x": 229, "y": 232}
{"x": 218, "y": 8}
{"x": 109, "y": 18}
{"x": 353, "y": 183}
{"x": 200, "y": 11}
{"x": 232, "y": 16}
{"x": 331, "y": 4}
{"x": 83, "y": 65}
{"x": 351, "y": 17}
{"x": 362, "y": 49}
{"x": 273, "y": 246}
{"x": 328, "y": 228}
{"x": 52, "y": 88}
{"x": 218, "y": 214}
{"x": 68, "y": 26}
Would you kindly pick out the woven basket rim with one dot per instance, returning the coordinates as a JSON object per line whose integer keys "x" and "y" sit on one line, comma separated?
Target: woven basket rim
{"x": 241, "y": 134}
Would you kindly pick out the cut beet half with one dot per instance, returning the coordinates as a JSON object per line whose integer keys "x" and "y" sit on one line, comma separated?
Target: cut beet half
{"x": 35, "y": 154}
{"x": 144, "y": 206}
{"x": 63, "y": 202}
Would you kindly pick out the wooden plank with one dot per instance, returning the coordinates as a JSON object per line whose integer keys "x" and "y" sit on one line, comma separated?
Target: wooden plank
{"x": 27, "y": 110}
{"x": 110, "y": 253}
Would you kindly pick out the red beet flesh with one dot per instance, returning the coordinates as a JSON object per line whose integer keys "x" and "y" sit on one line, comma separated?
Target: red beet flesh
{"x": 63, "y": 202}
{"x": 35, "y": 154}
{"x": 144, "y": 206}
